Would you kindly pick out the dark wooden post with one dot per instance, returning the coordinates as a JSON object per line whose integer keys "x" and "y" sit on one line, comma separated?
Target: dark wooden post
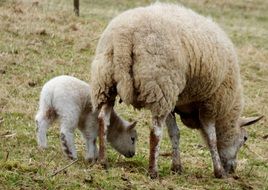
{"x": 76, "y": 7}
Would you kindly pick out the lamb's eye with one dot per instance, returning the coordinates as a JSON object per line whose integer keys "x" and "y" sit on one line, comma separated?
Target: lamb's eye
{"x": 245, "y": 138}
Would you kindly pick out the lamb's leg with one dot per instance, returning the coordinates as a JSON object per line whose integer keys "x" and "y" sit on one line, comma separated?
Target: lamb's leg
{"x": 104, "y": 122}
{"x": 67, "y": 137}
{"x": 155, "y": 138}
{"x": 91, "y": 148}
{"x": 174, "y": 135}
{"x": 90, "y": 133}
{"x": 42, "y": 124}
{"x": 209, "y": 131}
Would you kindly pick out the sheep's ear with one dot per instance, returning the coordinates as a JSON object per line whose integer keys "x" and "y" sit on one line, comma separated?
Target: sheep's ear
{"x": 132, "y": 125}
{"x": 249, "y": 120}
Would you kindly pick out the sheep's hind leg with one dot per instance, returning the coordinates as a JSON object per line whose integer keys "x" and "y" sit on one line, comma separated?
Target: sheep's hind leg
{"x": 67, "y": 137}
{"x": 209, "y": 131}
{"x": 104, "y": 122}
{"x": 155, "y": 138}
{"x": 174, "y": 135}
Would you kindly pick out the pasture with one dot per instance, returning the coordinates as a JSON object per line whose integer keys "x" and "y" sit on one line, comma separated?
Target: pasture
{"x": 43, "y": 39}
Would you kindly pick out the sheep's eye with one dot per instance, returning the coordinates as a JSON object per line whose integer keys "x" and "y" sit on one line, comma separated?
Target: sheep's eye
{"x": 245, "y": 138}
{"x": 133, "y": 139}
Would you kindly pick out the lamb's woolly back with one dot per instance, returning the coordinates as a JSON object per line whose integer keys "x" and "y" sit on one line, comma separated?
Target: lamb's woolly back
{"x": 65, "y": 88}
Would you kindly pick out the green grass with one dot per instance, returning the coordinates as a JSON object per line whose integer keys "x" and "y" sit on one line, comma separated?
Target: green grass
{"x": 41, "y": 40}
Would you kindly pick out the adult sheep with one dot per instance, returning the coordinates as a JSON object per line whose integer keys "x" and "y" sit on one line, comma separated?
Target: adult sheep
{"x": 68, "y": 98}
{"x": 166, "y": 57}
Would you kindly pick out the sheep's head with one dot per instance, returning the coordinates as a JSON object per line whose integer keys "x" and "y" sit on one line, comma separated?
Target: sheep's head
{"x": 123, "y": 138}
{"x": 228, "y": 152}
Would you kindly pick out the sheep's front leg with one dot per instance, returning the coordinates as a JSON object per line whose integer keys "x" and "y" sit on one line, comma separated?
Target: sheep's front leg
{"x": 209, "y": 131}
{"x": 104, "y": 122}
{"x": 174, "y": 135}
{"x": 155, "y": 138}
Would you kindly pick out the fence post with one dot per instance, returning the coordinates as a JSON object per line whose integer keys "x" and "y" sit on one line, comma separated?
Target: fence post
{"x": 76, "y": 7}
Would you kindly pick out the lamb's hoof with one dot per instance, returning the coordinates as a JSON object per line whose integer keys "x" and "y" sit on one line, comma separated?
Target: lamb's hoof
{"x": 220, "y": 174}
{"x": 91, "y": 160}
{"x": 176, "y": 169}
{"x": 153, "y": 174}
{"x": 71, "y": 157}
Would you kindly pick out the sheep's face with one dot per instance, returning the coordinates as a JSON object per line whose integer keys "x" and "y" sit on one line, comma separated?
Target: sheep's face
{"x": 124, "y": 140}
{"x": 229, "y": 152}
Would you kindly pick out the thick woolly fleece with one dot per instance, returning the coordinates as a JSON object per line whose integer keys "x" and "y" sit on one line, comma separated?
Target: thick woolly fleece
{"x": 165, "y": 56}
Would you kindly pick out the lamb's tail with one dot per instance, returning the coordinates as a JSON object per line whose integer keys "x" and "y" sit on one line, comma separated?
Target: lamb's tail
{"x": 111, "y": 74}
{"x": 44, "y": 117}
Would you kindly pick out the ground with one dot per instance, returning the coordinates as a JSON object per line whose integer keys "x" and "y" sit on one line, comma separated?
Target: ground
{"x": 43, "y": 39}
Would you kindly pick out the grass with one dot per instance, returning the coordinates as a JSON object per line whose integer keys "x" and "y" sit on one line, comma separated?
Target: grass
{"x": 43, "y": 39}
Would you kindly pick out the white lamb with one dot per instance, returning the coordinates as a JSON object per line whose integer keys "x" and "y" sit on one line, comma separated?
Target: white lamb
{"x": 68, "y": 99}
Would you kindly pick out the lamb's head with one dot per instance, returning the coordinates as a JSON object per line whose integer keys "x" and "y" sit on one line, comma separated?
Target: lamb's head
{"x": 123, "y": 137}
{"x": 229, "y": 146}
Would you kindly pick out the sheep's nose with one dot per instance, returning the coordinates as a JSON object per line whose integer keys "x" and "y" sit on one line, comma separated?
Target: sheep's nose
{"x": 130, "y": 154}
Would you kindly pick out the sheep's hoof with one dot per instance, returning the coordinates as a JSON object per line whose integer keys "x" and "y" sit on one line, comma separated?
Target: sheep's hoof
{"x": 176, "y": 169}
{"x": 220, "y": 174}
{"x": 153, "y": 174}
{"x": 104, "y": 164}
{"x": 42, "y": 147}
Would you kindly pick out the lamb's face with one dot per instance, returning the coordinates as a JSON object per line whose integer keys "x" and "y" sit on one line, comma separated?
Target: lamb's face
{"x": 124, "y": 141}
{"x": 229, "y": 152}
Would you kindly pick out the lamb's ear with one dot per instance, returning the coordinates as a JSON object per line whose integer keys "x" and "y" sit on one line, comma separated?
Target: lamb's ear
{"x": 249, "y": 120}
{"x": 132, "y": 125}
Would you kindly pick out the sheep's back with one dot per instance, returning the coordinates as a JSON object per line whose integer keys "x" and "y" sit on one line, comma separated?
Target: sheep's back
{"x": 174, "y": 52}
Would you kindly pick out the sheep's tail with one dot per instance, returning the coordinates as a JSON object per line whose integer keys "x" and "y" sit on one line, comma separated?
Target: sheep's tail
{"x": 111, "y": 74}
{"x": 123, "y": 62}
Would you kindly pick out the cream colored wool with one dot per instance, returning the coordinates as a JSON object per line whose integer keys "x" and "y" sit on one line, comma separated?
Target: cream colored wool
{"x": 162, "y": 56}
{"x": 167, "y": 58}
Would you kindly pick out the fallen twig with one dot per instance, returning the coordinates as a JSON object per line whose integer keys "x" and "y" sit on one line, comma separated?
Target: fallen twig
{"x": 52, "y": 158}
{"x": 58, "y": 171}
{"x": 165, "y": 154}
{"x": 7, "y": 155}
{"x": 7, "y": 134}
{"x": 10, "y": 135}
